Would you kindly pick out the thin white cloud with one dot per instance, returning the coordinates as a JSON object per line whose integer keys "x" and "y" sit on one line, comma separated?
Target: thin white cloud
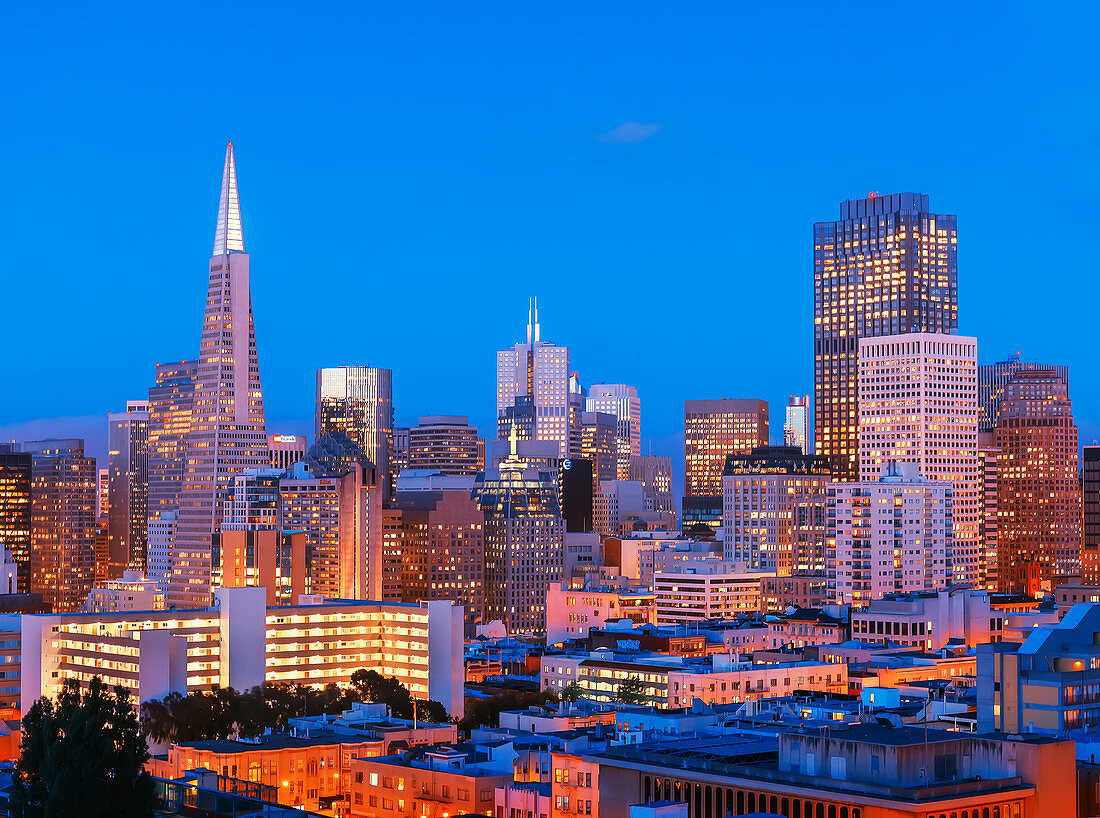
{"x": 629, "y": 133}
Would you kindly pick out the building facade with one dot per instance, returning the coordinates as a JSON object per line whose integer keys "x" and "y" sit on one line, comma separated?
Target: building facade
{"x": 170, "y": 401}
{"x": 443, "y": 443}
{"x": 15, "y": 508}
{"x": 241, "y": 643}
{"x": 1090, "y": 516}
{"x": 715, "y": 429}
{"x": 886, "y": 266}
{"x": 358, "y": 401}
{"x": 773, "y": 510}
{"x": 1038, "y": 493}
{"x": 715, "y": 591}
{"x": 524, "y": 542}
{"x": 654, "y": 472}
{"x": 796, "y": 424}
{"x": 992, "y": 380}
{"x": 537, "y": 371}
{"x": 285, "y": 450}
{"x": 443, "y": 549}
{"x": 63, "y": 495}
{"x": 227, "y": 432}
{"x": 128, "y": 488}
{"x": 918, "y": 403}
{"x": 891, "y": 534}
{"x": 620, "y": 400}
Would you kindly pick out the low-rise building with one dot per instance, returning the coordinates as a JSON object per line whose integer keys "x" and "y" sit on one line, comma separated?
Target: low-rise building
{"x": 859, "y": 771}
{"x": 676, "y": 681}
{"x": 1049, "y": 683}
{"x": 310, "y": 770}
{"x": 809, "y": 626}
{"x": 701, "y": 592}
{"x": 131, "y": 592}
{"x": 570, "y": 612}
{"x": 932, "y": 619}
{"x": 429, "y": 782}
{"x": 1069, "y": 594}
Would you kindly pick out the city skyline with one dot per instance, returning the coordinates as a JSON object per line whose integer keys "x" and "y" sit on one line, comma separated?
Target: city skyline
{"x": 617, "y": 165}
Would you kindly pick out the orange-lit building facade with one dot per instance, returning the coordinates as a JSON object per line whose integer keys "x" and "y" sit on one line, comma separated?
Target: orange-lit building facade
{"x": 63, "y": 506}
{"x": 715, "y": 429}
{"x": 886, "y": 266}
{"x": 1038, "y": 493}
{"x": 443, "y": 549}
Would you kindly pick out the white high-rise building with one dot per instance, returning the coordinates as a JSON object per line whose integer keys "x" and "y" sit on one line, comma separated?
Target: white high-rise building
{"x": 540, "y": 371}
{"x": 918, "y": 403}
{"x": 890, "y": 534}
{"x": 796, "y": 423}
{"x": 620, "y": 400}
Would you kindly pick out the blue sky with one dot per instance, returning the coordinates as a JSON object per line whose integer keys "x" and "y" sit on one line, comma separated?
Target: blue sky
{"x": 410, "y": 174}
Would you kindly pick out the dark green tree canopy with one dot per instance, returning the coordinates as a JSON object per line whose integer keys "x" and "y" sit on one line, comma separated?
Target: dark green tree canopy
{"x": 224, "y": 711}
{"x": 82, "y": 754}
{"x": 631, "y": 691}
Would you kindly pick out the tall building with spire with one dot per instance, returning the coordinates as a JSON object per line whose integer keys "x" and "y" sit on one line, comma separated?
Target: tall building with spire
{"x": 539, "y": 371}
{"x": 227, "y": 433}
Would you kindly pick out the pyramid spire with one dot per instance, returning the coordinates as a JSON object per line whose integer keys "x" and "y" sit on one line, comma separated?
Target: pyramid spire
{"x": 229, "y": 235}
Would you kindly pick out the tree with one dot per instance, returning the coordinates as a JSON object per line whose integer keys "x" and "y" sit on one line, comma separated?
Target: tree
{"x": 82, "y": 755}
{"x": 372, "y": 686}
{"x": 572, "y": 691}
{"x": 632, "y": 691}
{"x": 486, "y": 712}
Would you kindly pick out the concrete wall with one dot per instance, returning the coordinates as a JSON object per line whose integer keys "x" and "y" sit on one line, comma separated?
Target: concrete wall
{"x": 243, "y": 632}
{"x": 445, "y": 655}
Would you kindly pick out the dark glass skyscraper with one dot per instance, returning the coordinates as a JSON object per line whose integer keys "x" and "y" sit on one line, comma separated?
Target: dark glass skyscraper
{"x": 358, "y": 401}
{"x": 127, "y": 488}
{"x": 885, "y": 267}
{"x": 15, "y": 508}
{"x": 63, "y": 494}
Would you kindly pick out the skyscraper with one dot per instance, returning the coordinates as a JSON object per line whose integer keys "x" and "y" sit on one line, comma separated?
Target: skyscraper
{"x": 992, "y": 379}
{"x": 443, "y": 549}
{"x": 988, "y": 454}
{"x": 773, "y": 510}
{"x": 443, "y": 443}
{"x": 170, "y": 400}
{"x": 358, "y": 401}
{"x": 885, "y": 267}
{"x": 524, "y": 539}
{"x": 599, "y": 444}
{"x": 1038, "y": 493}
{"x": 715, "y": 429}
{"x": 654, "y": 472}
{"x": 918, "y": 403}
{"x": 1090, "y": 517}
{"x": 15, "y": 509}
{"x": 622, "y": 401}
{"x": 334, "y": 496}
{"x": 537, "y": 370}
{"x": 796, "y": 425}
{"x": 127, "y": 488}
{"x": 63, "y": 500}
{"x": 227, "y": 433}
